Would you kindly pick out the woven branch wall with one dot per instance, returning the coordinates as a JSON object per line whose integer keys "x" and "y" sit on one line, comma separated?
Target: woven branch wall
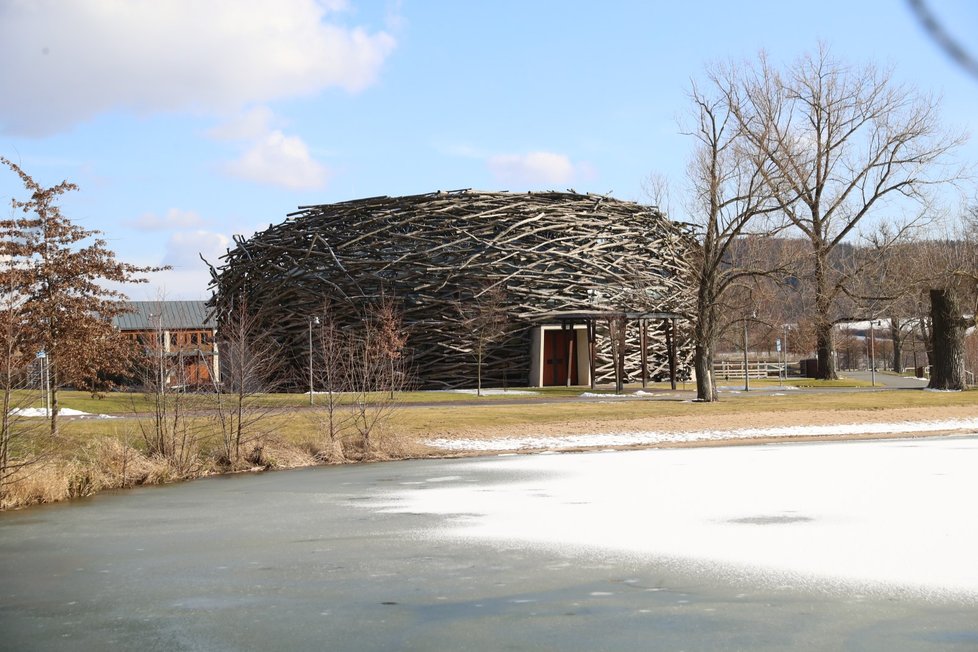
{"x": 440, "y": 255}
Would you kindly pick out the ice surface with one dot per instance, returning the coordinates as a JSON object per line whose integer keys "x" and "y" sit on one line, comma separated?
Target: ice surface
{"x": 884, "y": 514}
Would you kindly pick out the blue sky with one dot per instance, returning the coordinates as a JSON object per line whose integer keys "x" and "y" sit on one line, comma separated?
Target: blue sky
{"x": 187, "y": 122}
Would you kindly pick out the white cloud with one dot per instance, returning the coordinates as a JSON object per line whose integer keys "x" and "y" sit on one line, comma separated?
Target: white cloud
{"x": 533, "y": 169}
{"x": 173, "y": 219}
{"x": 250, "y": 124}
{"x": 280, "y": 160}
{"x": 189, "y": 276}
{"x": 64, "y": 62}
{"x": 174, "y": 285}
{"x": 184, "y": 248}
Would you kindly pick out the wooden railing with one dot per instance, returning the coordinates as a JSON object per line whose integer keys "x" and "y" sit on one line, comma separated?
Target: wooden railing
{"x": 733, "y": 369}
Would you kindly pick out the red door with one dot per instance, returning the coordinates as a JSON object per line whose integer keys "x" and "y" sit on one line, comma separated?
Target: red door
{"x": 558, "y": 351}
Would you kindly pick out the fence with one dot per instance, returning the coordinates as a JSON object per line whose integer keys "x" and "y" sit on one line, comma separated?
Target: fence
{"x": 733, "y": 369}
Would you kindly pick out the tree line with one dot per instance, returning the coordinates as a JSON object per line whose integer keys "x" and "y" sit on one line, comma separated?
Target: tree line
{"x": 816, "y": 154}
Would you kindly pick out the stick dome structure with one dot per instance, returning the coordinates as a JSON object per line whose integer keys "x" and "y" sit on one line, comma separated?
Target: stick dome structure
{"x": 542, "y": 255}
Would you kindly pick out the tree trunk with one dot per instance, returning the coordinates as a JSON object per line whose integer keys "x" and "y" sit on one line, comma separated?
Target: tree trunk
{"x": 896, "y": 334}
{"x": 705, "y": 341}
{"x": 706, "y": 388}
{"x": 824, "y": 347}
{"x": 947, "y": 332}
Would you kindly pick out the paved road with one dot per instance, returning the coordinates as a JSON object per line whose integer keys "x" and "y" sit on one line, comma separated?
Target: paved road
{"x": 888, "y": 380}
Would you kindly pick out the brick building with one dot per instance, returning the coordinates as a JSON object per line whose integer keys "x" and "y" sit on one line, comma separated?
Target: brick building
{"x": 182, "y": 332}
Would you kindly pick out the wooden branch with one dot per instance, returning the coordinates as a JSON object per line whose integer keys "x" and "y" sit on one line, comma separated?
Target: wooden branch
{"x": 545, "y": 252}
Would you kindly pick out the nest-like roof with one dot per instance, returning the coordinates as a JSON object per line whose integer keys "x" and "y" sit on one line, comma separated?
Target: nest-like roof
{"x": 545, "y": 251}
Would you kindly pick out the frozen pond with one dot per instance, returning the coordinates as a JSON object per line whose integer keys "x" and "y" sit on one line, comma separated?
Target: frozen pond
{"x": 883, "y": 516}
{"x": 821, "y": 547}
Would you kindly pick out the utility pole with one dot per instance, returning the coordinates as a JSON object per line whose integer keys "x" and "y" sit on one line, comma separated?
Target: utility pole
{"x": 872, "y": 350}
{"x": 312, "y": 320}
{"x": 753, "y": 315}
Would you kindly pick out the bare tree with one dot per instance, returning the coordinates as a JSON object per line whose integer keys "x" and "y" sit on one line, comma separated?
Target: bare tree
{"x": 376, "y": 370}
{"x": 729, "y": 199}
{"x": 250, "y": 369}
{"x": 656, "y": 188}
{"x": 23, "y": 440}
{"x": 955, "y": 284}
{"x": 330, "y": 355}
{"x": 484, "y": 320}
{"x": 891, "y": 281}
{"x": 844, "y": 143}
{"x": 172, "y": 434}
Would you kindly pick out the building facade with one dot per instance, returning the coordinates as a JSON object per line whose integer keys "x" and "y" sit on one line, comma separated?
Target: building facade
{"x": 182, "y": 333}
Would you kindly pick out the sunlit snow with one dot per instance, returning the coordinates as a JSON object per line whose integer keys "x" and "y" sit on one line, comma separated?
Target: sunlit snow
{"x": 881, "y": 515}
{"x": 65, "y": 412}
{"x": 493, "y": 392}
{"x": 563, "y": 442}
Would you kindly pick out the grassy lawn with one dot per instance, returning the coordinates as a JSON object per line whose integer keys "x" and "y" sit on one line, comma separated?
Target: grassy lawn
{"x": 419, "y": 413}
{"x": 419, "y": 420}
{"x": 126, "y": 403}
{"x": 425, "y": 412}
{"x": 91, "y": 453}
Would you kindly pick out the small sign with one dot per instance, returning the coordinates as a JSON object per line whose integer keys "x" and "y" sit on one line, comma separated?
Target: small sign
{"x": 777, "y": 345}
{"x": 41, "y": 355}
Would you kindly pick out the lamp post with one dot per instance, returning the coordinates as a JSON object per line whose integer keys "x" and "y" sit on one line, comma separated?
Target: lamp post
{"x": 312, "y": 320}
{"x": 872, "y": 351}
{"x": 160, "y": 350}
{"x": 42, "y": 357}
{"x": 786, "y": 329}
{"x": 746, "y": 361}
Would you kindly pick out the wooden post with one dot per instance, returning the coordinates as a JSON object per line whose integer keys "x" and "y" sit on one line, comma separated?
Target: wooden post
{"x": 570, "y": 355}
{"x": 591, "y": 337}
{"x": 671, "y": 344}
{"x": 643, "y": 339}
{"x": 620, "y": 385}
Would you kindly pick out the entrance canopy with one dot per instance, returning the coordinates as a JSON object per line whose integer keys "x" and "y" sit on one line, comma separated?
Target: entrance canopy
{"x": 617, "y": 321}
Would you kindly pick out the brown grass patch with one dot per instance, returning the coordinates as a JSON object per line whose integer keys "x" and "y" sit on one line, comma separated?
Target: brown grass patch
{"x": 104, "y": 454}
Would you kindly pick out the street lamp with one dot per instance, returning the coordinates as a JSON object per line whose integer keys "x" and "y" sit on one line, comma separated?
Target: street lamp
{"x": 753, "y": 315}
{"x": 786, "y": 330}
{"x": 312, "y": 321}
{"x": 872, "y": 350}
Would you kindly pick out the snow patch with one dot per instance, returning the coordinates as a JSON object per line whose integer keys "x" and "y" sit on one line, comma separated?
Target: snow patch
{"x": 65, "y": 412}
{"x": 493, "y": 392}
{"x": 636, "y": 394}
{"x": 649, "y": 438}
{"x": 883, "y": 517}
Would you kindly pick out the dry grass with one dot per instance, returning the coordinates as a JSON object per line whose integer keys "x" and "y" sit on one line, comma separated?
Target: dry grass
{"x": 100, "y": 454}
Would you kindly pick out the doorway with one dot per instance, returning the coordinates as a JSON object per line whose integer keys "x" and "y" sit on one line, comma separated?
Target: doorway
{"x": 560, "y": 357}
